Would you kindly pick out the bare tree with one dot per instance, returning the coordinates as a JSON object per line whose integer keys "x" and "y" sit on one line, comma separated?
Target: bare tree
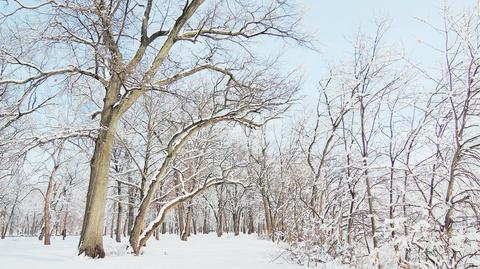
{"x": 125, "y": 76}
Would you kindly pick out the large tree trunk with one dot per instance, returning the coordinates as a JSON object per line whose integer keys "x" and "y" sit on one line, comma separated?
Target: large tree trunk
{"x": 91, "y": 242}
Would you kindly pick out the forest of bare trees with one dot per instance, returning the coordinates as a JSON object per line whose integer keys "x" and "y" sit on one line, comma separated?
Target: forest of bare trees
{"x": 133, "y": 119}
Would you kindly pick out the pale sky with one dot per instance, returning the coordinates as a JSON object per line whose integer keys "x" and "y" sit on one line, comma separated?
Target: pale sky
{"x": 335, "y": 23}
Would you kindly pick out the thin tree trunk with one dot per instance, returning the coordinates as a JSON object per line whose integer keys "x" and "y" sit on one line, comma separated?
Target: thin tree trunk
{"x": 251, "y": 227}
{"x": 391, "y": 206}
{"x": 157, "y": 233}
{"x": 268, "y": 216}
{"x": 205, "y": 219}
{"x": 186, "y": 230}
{"x": 65, "y": 218}
{"x": 112, "y": 223}
{"x": 10, "y": 218}
{"x": 236, "y": 217}
{"x": 46, "y": 218}
{"x": 42, "y": 232}
{"x": 118, "y": 230}
{"x": 32, "y": 228}
{"x": 46, "y": 205}
{"x": 125, "y": 224}
{"x": 448, "y": 200}
{"x": 219, "y": 223}
{"x": 194, "y": 223}
{"x": 131, "y": 209}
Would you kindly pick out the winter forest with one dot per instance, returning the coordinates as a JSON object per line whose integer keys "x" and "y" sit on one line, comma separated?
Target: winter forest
{"x": 239, "y": 134}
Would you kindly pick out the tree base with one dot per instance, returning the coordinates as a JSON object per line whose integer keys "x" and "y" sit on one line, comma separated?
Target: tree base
{"x": 93, "y": 252}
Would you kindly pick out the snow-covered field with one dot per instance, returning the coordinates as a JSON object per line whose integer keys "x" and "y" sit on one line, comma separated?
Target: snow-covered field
{"x": 201, "y": 251}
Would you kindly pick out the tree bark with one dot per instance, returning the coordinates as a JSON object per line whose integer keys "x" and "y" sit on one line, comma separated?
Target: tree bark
{"x": 236, "y": 216}
{"x": 180, "y": 207}
{"x": 205, "y": 228}
{"x": 118, "y": 230}
{"x": 188, "y": 223}
{"x": 10, "y": 218}
{"x": 268, "y": 215}
{"x": 46, "y": 206}
{"x": 219, "y": 223}
{"x": 131, "y": 209}
{"x": 46, "y": 213}
{"x": 251, "y": 227}
{"x": 91, "y": 241}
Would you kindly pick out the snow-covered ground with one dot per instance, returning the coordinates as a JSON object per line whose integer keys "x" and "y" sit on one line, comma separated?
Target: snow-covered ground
{"x": 201, "y": 251}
